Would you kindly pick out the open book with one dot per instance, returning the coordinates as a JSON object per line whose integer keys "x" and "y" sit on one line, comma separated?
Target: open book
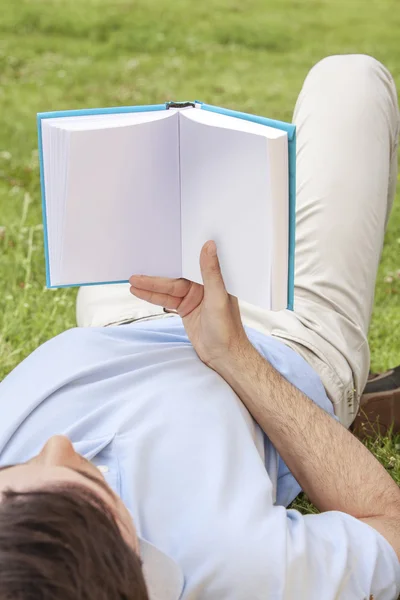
{"x": 139, "y": 190}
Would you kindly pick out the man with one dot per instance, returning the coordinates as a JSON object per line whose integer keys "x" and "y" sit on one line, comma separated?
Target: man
{"x": 172, "y": 444}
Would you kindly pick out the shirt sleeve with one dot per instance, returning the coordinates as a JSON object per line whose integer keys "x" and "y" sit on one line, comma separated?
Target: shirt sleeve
{"x": 335, "y": 556}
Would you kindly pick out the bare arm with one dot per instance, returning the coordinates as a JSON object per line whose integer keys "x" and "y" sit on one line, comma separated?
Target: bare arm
{"x": 335, "y": 470}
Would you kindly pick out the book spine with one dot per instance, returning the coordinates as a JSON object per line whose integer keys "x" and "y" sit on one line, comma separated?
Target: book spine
{"x": 184, "y": 104}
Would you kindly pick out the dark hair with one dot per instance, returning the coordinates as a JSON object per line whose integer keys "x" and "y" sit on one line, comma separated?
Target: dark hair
{"x": 64, "y": 543}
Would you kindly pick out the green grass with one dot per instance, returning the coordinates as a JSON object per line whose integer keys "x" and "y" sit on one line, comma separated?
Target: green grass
{"x": 252, "y": 56}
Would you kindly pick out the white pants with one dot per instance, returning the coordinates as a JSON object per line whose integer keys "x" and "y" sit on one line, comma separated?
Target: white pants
{"x": 347, "y": 130}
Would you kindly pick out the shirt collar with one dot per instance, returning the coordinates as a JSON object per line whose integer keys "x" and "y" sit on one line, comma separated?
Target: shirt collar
{"x": 164, "y": 578}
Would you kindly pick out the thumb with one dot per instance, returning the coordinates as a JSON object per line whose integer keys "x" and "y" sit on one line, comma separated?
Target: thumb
{"x": 211, "y": 270}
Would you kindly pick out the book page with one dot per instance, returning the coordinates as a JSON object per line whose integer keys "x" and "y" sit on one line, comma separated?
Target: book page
{"x": 122, "y": 207}
{"x": 225, "y": 196}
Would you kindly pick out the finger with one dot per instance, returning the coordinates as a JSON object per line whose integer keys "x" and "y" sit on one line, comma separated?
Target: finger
{"x": 164, "y": 300}
{"x": 192, "y": 299}
{"x": 211, "y": 270}
{"x": 161, "y": 285}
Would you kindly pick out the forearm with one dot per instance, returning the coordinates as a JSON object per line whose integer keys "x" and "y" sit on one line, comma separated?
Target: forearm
{"x": 334, "y": 469}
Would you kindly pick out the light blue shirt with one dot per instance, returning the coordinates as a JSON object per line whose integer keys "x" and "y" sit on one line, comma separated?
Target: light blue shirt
{"x": 201, "y": 480}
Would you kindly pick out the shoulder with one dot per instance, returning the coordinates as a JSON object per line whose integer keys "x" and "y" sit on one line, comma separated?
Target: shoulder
{"x": 48, "y": 358}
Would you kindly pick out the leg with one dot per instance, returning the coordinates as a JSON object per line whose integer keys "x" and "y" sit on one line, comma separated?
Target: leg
{"x": 347, "y": 127}
{"x": 102, "y": 305}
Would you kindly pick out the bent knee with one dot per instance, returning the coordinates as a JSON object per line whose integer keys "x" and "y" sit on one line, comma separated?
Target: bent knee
{"x": 356, "y": 66}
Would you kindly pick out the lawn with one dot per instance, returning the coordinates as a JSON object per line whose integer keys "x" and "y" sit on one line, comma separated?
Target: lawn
{"x": 251, "y": 56}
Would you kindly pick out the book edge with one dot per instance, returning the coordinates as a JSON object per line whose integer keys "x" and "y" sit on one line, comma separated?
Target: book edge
{"x": 84, "y": 284}
{"x": 43, "y": 196}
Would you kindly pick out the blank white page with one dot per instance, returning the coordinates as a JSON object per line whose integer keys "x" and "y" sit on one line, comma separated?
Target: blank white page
{"x": 225, "y": 196}
{"x": 122, "y": 206}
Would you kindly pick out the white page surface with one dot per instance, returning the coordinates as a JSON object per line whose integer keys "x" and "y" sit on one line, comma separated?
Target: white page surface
{"x": 122, "y": 206}
{"x": 225, "y": 197}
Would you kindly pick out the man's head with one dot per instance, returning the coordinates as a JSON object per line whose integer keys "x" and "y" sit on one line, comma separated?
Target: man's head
{"x": 63, "y": 533}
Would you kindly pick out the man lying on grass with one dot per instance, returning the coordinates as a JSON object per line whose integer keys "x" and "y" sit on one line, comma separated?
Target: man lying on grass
{"x": 151, "y": 455}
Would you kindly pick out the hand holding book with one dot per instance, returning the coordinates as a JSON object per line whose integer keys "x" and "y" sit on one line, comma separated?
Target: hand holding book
{"x": 210, "y": 315}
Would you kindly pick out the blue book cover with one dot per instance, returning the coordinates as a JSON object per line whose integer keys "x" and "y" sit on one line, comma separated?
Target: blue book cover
{"x": 289, "y": 129}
